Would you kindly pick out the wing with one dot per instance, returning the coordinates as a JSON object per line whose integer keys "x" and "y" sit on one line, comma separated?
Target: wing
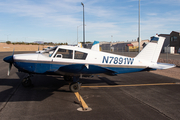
{"x": 77, "y": 69}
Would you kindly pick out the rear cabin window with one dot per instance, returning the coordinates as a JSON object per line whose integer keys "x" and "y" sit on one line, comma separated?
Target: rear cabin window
{"x": 64, "y": 53}
{"x": 80, "y": 55}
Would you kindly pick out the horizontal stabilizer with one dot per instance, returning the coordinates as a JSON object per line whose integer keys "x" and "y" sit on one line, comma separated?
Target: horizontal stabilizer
{"x": 162, "y": 66}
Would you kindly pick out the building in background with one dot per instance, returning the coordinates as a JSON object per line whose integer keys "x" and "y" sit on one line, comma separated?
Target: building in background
{"x": 129, "y": 46}
{"x": 166, "y": 41}
{"x": 171, "y": 40}
{"x": 175, "y": 40}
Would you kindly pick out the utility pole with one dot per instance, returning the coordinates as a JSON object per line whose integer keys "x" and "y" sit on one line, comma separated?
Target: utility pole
{"x": 83, "y": 26}
{"x": 7, "y": 36}
{"x": 139, "y": 38}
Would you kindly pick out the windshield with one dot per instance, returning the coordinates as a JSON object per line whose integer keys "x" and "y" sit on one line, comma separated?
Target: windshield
{"x": 49, "y": 52}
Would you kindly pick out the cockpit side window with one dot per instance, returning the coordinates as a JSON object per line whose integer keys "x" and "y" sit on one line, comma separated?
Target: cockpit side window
{"x": 64, "y": 53}
{"x": 80, "y": 55}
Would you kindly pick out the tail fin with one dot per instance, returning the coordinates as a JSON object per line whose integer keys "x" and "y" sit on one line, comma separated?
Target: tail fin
{"x": 95, "y": 46}
{"x": 152, "y": 50}
{"x": 79, "y": 45}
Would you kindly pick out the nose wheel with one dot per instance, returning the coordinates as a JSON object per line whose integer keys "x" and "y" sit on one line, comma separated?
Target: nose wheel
{"x": 26, "y": 82}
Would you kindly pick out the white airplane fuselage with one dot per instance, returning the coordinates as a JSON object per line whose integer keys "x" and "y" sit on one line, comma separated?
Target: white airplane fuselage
{"x": 96, "y": 62}
{"x": 70, "y": 60}
{"x": 73, "y": 62}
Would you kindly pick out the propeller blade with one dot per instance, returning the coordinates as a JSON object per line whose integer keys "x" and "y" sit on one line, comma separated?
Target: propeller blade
{"x": 13, "y": 52}
{"x": 10, "y": 60}
{"x": 10, "y": 65}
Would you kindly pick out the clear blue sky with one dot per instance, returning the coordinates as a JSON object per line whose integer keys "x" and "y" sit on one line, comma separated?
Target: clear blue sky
{"x": 57, "y": 20}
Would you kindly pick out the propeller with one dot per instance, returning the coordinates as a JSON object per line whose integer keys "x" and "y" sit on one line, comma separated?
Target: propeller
{"x": 9, "y": 70}
{"x": 9, "y": 60}
{"x": 13, "y": 52}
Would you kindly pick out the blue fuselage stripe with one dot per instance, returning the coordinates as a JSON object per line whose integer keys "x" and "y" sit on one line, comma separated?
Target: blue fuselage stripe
{"x": 48, "y": 68}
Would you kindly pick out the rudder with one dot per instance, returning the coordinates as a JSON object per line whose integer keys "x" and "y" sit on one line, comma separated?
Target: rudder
{"x": 152, "y": 50}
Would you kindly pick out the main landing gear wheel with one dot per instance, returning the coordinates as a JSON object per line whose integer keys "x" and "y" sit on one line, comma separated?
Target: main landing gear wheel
{"x": 75, "y": 87}
{"x": 26, "y": 82}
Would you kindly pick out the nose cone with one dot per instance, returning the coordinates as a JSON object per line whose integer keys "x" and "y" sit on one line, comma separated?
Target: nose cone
{"x": 9, "y": 59}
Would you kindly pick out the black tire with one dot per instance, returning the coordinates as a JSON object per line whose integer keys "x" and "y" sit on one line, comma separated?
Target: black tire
{"x": 26, "y": 82}
{"x": 74, "y": 87}
{"x": 68, "y": 78}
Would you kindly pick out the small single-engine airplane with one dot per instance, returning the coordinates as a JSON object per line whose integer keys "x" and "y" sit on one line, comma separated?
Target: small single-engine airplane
{"x": 73, "y": 62}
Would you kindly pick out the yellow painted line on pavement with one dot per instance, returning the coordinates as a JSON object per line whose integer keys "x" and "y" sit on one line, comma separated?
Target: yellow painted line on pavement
{"x": 80, "y": 99}
{"x": 131, "y": 85}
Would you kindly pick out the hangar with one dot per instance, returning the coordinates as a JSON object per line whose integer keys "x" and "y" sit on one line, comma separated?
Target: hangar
{"x": 175, "y": 40}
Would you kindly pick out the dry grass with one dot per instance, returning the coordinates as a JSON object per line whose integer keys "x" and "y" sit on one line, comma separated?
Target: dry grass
{"x": 9, "y": 47}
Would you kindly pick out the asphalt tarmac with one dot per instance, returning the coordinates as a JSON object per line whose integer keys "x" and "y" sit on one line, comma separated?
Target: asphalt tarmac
{"x": 143, "y": 95}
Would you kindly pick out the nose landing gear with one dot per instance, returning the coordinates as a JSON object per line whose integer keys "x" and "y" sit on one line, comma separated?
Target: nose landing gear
{"x": 26, "y": 82}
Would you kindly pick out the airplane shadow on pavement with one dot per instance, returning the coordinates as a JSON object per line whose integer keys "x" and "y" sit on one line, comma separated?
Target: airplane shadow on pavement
{"x": 43, "y": 87}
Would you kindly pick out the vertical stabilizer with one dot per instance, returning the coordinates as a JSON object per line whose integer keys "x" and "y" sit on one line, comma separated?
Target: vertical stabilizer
{"x": 79, "y": 45}
{"x": 95, "y": 46}
{"x": 152, "y": 50}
